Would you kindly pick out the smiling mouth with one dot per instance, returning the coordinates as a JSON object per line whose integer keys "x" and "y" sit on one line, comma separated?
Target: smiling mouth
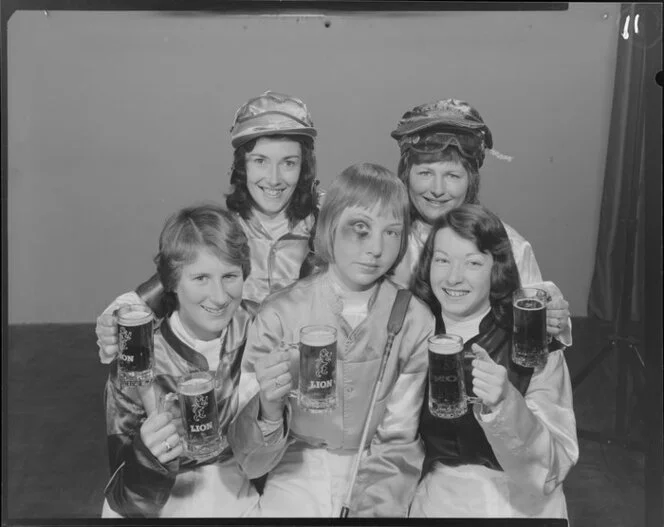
{"x": 455, "y": 293}
{"x": 272, "y": 192}
{"x": 215, "y": 312}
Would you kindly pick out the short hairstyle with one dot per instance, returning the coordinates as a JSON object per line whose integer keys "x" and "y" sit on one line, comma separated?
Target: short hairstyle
{"x": 482, "y": 227}
{"x": 451, "y": 153}
{"x": 185, "y": 233}
{"x": 362, "y": 185}
{"x": 304, "y": 200}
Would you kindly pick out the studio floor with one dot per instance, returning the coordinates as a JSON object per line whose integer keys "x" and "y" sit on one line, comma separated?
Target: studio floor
{"x": 56, "y": 465}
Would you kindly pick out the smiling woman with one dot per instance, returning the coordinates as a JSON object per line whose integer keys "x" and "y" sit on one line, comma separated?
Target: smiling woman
{"x": 273, "y": 197}
{"x": 443, "y": 145}
{"x": 203, "y": 260}
{"x": 508, "y": 455}
{"x": 273, "y": 170}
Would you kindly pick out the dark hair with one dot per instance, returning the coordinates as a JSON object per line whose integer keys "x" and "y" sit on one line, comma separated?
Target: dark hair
{"x": 188, "y": 231}
{"x": 482, "y": 227}
{"x": 451, "y": 153}
{"x": 304, "y": 200}
{"x": 361, "y": 185}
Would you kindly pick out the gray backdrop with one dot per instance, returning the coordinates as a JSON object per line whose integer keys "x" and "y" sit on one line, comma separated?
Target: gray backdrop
{"x": 118, "y": 119}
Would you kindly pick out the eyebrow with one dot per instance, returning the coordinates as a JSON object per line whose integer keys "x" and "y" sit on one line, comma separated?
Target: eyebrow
{"x": 476, "y": 253}
{"x": 362, "y": 215}
{"x": 258, "y": 154}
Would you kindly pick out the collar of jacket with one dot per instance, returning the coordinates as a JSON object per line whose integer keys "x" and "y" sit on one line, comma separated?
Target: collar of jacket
{"x": 235, "y": 336}
{"x": 302, "y": 229}
{"x": 421, "y": 229}
{"x": 336, "y": 300}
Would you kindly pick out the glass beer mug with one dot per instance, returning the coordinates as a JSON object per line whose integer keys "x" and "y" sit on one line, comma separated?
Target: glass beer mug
{"x": 199, "y": 413}
{"x": 317, "y": 382}
{"x": 136, "y": 344}
{"x": 448, "y": 397}
{"x": 530, "y": 343}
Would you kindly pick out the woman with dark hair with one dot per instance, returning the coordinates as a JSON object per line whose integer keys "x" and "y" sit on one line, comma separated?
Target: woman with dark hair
{"x": 443, "y": 146}
{"x": 274, "y": 198}
{"x": 203, "y": 261}
{"x": 509, "y": 454}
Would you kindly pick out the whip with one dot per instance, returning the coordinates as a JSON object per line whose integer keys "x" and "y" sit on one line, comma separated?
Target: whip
{"x": 394, "y": 325}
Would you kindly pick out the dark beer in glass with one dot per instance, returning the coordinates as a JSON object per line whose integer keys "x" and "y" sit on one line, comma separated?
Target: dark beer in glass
{"x": 447, "y": 390}
{"x": 529, "y": 339}
{"x": 136, "y": 345}
{"x": 200, "y": 415}
{"x": 317, "y": 390}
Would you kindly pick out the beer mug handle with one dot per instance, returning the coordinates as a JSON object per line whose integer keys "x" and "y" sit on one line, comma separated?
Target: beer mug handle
{"x": 471, "y": 399}
{"x": 166, "y": 400}
{"x": 290, "y": 347}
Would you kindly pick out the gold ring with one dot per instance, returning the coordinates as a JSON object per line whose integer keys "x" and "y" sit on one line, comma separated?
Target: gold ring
{"x": 276, "y": 382}
{"x": 167, "y": 445}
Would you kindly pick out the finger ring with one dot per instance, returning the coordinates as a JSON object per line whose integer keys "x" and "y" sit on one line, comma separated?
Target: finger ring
{"x": 167, "y": 445}
{"x": 276, "y": 382}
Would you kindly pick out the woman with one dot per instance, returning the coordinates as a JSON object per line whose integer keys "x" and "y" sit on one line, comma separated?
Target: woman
{"x": 362, "y": 235}
{"x": 203, "y": 261}
{"x": 274, "y": 198}
{"x": 509, "y": 455}
{"x": 443, "y": 146}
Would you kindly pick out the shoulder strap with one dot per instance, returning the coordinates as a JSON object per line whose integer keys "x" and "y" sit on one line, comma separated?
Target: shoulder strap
{"x": 398, "y": 313}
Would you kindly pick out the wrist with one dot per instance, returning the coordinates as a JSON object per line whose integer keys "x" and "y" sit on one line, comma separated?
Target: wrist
{"x": 271, "y": 412}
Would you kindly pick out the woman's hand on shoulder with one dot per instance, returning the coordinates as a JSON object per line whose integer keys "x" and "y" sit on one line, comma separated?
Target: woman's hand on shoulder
{"x": 490, "y": 381}
{"x": 557, "y": 315}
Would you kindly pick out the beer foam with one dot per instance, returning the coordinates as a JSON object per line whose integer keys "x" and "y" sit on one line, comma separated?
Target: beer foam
{"x": 445, "y": 346}
{"x": 134, "y": 318}
{"x": 522, "y": 303}
{"x": 194, "y": 386}
{"x": 318, "y": 337}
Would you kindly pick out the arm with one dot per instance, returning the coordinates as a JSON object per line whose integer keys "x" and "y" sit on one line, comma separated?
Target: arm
{"x": 389, "y": 472}
{"x": 259, "y": 442}
{"x": 140, "y": 484}
{"x": 534, "y": 437}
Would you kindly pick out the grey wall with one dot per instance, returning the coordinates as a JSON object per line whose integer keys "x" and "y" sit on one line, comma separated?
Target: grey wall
{"x": 118, "y": 119}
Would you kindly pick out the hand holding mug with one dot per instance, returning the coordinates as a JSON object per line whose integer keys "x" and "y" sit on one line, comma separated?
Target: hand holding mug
{"x": 490, "y": 381}
{"x": 557, "y": 315}
{"x": 160, "y": 436}
{"x": 107, "y": 337}
{"x": 275, "y": 381}
{"x": 557, "y": 309}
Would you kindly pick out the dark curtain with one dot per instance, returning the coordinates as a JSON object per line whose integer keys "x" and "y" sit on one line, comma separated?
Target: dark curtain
{"x": 617, "y": 287}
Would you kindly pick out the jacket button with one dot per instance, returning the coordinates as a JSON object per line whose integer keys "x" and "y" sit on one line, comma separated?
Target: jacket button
{"x": 349, "y": 389}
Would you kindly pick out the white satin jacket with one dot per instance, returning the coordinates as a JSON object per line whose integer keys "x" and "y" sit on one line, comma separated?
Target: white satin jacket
{"x": 389, "y": 472}
{"x": 275, "y": 262}
{"x": 533, "y": 438}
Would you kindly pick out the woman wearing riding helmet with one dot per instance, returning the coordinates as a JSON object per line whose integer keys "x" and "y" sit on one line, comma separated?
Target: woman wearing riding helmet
{"x": 443, "y": 146}
{"x": 274, "y": 198}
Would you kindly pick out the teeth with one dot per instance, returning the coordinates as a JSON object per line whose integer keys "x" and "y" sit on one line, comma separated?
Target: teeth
{"x": 213, "y": 311}
{"x": 451, "y": 292}
{"x": 272, "y": 193}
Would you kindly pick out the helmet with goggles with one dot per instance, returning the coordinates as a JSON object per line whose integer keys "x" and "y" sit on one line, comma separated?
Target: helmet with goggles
{"x": 433, "y": 127}
{"x": 271, "y": 114}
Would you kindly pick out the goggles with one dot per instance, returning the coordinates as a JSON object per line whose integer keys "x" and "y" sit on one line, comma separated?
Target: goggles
{"x": 470, "y": 145}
